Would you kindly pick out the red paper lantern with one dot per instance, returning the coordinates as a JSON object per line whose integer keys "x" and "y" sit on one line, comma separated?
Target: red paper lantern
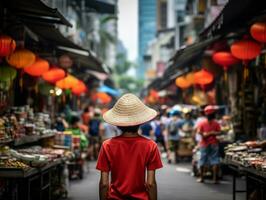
{"x": 258, "y": 32}
{"x": 54, "y": 74}
{"x": 21, "y": 58}
{"x": 203, "y": 77}
{"x": 245, "y": 49}
{"x": 7, "y": 45}
{"x": 79, "y": 88}
{"x": 68, "y": 82}
{"x": 39, "y": 67}
{"x": 224, "y": 59}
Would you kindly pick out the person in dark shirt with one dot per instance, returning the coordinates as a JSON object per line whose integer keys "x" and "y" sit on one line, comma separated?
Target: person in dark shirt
{"x": 146, "y": 130}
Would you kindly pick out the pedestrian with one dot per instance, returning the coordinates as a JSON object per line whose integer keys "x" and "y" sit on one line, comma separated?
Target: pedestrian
{"x": 85, "y": 116}
{"x": 158, "y": 130}
{"x": 95, "y": 134}
{"x": 173, "y": 135}
{"x": 209, "y": 147}
{"x": 130, "y": 158}
{"x": 146, "y": 130}
{"x": 109, "y": 131}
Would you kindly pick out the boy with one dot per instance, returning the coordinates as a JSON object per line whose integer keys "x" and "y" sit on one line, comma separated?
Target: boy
{"x": 129, "y": 156}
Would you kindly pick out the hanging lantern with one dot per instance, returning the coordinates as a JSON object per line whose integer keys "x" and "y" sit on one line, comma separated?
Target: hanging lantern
{"x": 7, "y": 45}
{"x": 203, "y": 77}
{"x": 190, "y": 77}
{"x": 7, "y": 73}
{"x": 258, "y": 32}
{"x": 37, "y": 68}
{"x": 182, "y": 82}
{"x": 67, "y": 83}
{"x": 245, "y": 49}
{"x": 224, "y": 59}
{"x": 53, "y": 75}
{"x": 21, "y": 58}
{"x": 102, "y": 97}
{"x": 79, "y": 88}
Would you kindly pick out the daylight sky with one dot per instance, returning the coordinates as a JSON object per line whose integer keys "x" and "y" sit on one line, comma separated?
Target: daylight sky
{"x": 128, "y": 26}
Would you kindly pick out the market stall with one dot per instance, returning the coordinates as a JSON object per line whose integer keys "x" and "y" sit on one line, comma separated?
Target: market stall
{"x": 31, "y": 167}
{"x": 248, "y": 159}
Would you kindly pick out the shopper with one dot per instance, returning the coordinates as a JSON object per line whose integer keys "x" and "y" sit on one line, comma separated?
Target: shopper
{"x": 158, "y": 130}
{"x": 109, "y": 131}
{"x": 173, "y": 135}
{"x": 209, "y": 148}
{"x": 130, "y": 156}
{"x": 146, "y": 130}
{"x": 95, "y": 134}
{"x": 85, "y": 116}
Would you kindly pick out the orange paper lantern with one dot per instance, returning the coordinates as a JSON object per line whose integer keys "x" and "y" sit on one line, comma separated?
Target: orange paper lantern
{"x": 103, "y": 97}
{"x": 7, "y": 45}
{"x": 182, "y": 82}
{"x": 21, "y": 58}
{"x": 258, "y": 32}
{"x": 245, "y": 49}
{"x": 224, "y": 59}
{"x": 37, "y": 68}
{"x": 203, "y": 77}
{"x": 79, "y": 88}
{"x": 67, "y": 83}
{"x": 54, "y": 74}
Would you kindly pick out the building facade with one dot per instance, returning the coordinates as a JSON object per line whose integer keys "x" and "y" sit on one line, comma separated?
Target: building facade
{"x": 147, "y": 11}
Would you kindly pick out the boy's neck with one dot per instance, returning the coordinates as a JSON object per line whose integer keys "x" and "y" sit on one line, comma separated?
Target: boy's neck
{"x": 130, "y": 134}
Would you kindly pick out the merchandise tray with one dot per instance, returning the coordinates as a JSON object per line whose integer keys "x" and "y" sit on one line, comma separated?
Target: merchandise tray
{"x": 16, "y": 172}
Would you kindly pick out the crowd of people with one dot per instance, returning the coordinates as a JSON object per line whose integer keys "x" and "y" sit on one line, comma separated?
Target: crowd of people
{"x": 171, "y": 129}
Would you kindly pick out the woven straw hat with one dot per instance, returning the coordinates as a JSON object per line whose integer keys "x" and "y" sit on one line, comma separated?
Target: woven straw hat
{"x": 129, "y": 111}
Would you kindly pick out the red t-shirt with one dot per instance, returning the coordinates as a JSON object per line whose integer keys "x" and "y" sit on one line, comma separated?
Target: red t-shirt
{"x": 128, "y": 158}
{"x": 208, "y": 126}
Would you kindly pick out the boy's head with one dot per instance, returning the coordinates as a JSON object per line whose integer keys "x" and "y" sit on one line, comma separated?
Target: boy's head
{"x": 129, "y": 129}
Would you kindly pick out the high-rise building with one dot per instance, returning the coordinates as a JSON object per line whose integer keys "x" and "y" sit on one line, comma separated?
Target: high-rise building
{"x": 147, "y": 30}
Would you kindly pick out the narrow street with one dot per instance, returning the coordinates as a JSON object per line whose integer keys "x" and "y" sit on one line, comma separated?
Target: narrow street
{"x": 174, "y": 183}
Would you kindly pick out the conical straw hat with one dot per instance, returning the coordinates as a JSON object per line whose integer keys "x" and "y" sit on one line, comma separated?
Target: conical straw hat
{"x": 129, "y": 111}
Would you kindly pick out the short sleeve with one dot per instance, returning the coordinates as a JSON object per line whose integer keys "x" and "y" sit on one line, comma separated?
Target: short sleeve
{"x": 103, "y": 163}
{"x": 154, "y": 161}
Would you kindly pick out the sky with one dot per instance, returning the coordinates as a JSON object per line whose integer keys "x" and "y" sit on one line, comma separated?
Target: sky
{"x": 128, "y": 26}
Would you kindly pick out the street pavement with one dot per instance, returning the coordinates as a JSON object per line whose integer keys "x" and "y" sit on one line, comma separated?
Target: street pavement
{"x": 174, "y": 183}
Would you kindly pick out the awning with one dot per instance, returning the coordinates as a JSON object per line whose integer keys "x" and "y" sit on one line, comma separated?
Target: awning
{"x": 52, "y": 36}
{"x": 35, "y": 11}
{"x": 100, "y": 7}
{"x": 235, "y": 15}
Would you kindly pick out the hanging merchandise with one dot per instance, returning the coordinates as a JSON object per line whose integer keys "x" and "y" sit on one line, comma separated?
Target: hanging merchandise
{"x": 245, "y": 50}
{"x": 7, "y": 45}
{"x": 53, "y": 75}
{"x": 79, "y": 89}
{"x": 224, "y": 59}
{"x": 37, "y": 68}
{"x": 67, "y": 83}
{"x": 7, "y": 73}
{"x": 21, "y": 58}
{"x": 258, "y": 31}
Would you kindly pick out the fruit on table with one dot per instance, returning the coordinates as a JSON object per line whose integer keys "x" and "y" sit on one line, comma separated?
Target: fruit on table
{"x": 10, "y": 163}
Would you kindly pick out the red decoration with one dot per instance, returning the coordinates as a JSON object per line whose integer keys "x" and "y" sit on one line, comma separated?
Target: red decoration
{"x": 7, "y": 45}
{"x": 258, "y": 32}
{"x": 102, "y": 97}
{"x": 54, "y": 74}
{"x": 224, "y": 59}
{"x": 182, "y": 82}
{"x": 203, "y": 77}
{"x": 38, "y": 68}
{"x": 68, "y": 82}
{"x": 21, "y": 58}
{"x": 245, "y": 49}
{"x": 79, "y": 88}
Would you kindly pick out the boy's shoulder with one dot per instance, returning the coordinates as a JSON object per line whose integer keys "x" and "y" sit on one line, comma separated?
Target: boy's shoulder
{"x": 119, "y": 138}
